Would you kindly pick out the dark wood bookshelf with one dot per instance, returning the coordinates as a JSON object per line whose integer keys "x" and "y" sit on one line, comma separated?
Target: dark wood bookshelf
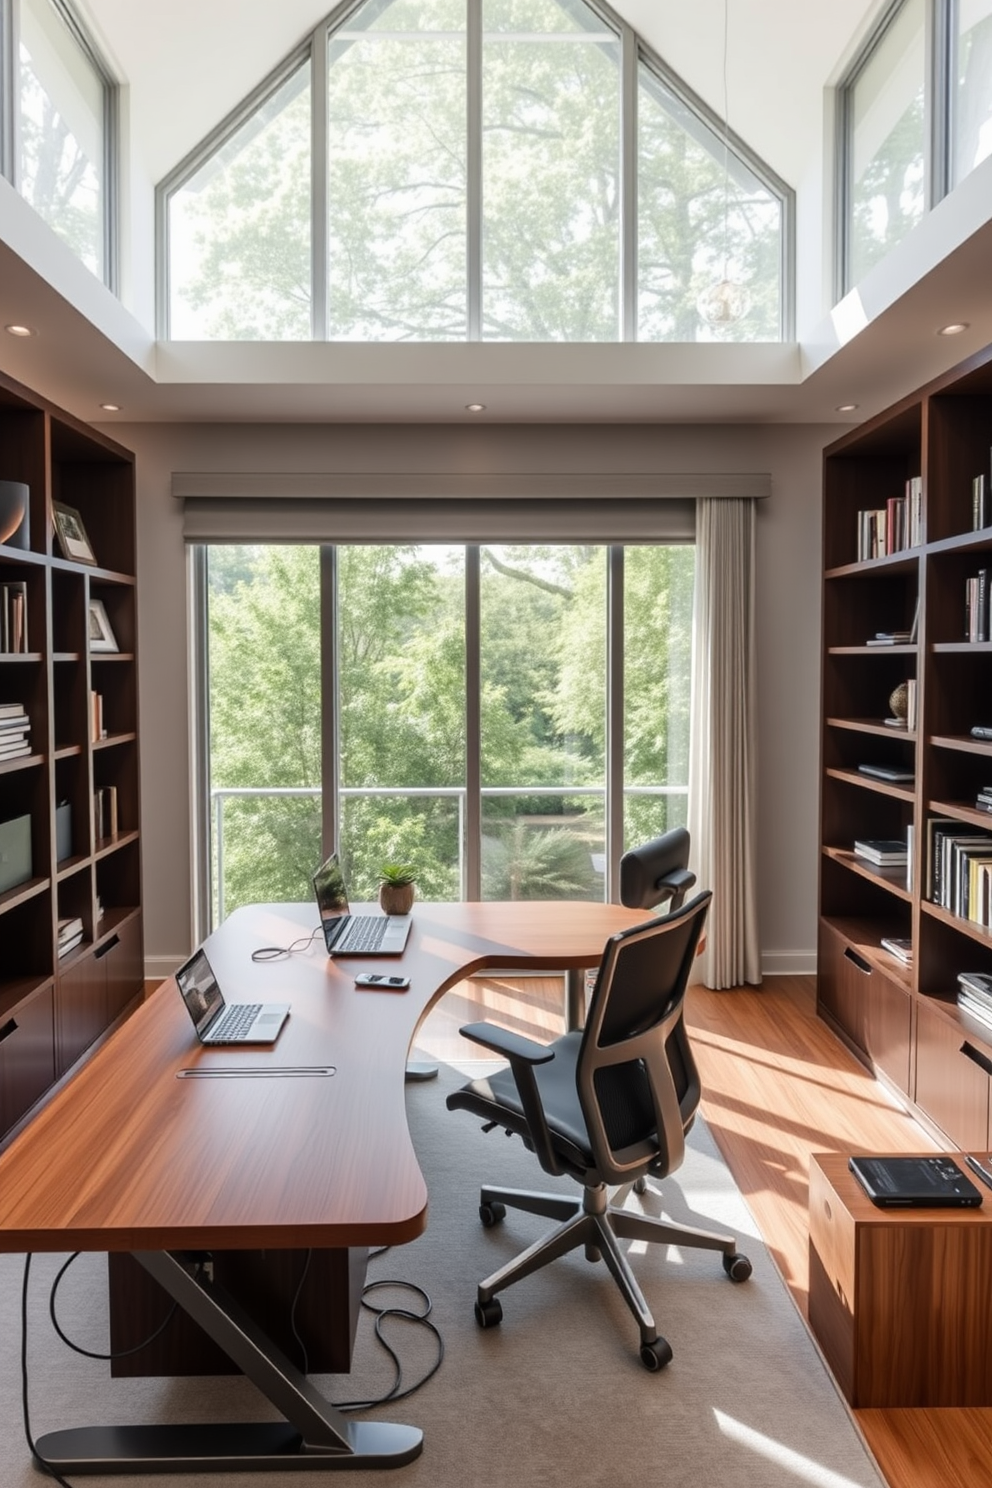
{"x": 903, "y": 1021}
{"x": 54, "y": 1009}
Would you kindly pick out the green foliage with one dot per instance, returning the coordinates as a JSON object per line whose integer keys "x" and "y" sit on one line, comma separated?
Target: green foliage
{"x": 401, "y": 715}
{"x": 398, "y": 874}
{"x": 397, "y": 182}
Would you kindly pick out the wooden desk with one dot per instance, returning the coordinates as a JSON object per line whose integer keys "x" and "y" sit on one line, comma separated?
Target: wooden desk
{"x": 899, "y": 1300}
{"x": 160, "y": 1147}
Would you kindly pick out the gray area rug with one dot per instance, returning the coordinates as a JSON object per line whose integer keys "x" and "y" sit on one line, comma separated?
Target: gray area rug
{"x": 555, "y": 1396}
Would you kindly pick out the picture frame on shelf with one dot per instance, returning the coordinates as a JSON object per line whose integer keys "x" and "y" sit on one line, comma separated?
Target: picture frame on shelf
{"x": 71, "y": 533}
{"x": 101, "y": 632}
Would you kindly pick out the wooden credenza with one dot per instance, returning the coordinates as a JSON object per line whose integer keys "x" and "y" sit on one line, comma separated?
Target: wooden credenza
{"x": 899, "y": 1300}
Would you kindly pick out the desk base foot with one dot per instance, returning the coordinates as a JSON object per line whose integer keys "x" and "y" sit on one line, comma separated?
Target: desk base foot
{"x": 419, "y": 1069}
{"x": 235, "y": 1447}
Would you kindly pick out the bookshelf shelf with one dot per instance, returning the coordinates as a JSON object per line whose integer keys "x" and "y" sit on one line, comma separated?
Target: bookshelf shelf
{"x": 904, "y": 1021}
{"x": 62, "y": 1005}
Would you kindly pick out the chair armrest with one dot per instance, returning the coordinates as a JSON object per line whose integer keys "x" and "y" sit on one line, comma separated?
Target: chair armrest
{"x": 523, "y": 1054}
{"x": 511, "y": 1045}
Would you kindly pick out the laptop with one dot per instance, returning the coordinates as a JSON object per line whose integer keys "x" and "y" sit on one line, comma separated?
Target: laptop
{"x": 219, "y": 1022}
{"x": 915, "y": 1183}
{"x": 346, "y": 934}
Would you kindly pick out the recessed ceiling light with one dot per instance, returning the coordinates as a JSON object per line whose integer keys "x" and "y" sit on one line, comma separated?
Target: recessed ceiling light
{"x": 111, "y": 407}
{"x": 846, "y": 407}
{"x": 475, "y": 407}
{"x": 954, "y": 329}
{"x": 19, "y": 330}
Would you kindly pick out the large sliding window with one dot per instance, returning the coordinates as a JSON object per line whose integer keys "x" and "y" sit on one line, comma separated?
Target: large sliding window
{"x": 450, "y": 170}
{"x": 505, "y": 717}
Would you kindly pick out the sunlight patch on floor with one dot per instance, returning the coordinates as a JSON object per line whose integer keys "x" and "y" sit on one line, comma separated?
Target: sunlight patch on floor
{"x": 805, "y": 1469}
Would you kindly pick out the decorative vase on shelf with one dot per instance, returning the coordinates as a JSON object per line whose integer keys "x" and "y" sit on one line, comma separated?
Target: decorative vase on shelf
{"x": 397, "y": 889}
{"x": 15, "y": 516}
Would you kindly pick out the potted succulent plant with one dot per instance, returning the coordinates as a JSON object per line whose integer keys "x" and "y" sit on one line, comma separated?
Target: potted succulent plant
{"x": 397, "y": 883}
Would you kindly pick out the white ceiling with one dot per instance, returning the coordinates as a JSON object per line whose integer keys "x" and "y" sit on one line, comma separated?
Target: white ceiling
{"x": 189, "y": 62}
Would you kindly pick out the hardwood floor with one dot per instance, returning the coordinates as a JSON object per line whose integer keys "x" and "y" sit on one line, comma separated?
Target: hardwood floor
{"x": 778, "y": 1087}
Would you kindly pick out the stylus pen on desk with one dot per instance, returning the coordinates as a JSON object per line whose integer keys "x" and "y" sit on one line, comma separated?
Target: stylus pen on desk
{"x": 977, "y": 1167}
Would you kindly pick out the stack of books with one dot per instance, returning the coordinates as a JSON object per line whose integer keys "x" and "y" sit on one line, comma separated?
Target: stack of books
{"x": 70, "y": 935}
{"x": 15, "y": 730}
{"x": 882, "y": 851}
{"x": 898, "y": 946}
{"x": 14, "y": 617}
{"x": 984, "y": 798}
{"x": 975, "y": 995}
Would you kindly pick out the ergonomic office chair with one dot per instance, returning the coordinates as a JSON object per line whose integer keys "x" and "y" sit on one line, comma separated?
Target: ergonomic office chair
{"x": 657, "y": 872}
{"x": 606, "y": 1104}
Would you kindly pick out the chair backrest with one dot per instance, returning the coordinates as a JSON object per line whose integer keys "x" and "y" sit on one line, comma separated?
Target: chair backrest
{"x": 637, "y": 1081}
{"x": 657, "y": 872}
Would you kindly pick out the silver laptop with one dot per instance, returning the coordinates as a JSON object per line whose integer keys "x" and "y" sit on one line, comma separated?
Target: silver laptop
{"x": 346, "y": 934}
{"x": 220, "y": 1022}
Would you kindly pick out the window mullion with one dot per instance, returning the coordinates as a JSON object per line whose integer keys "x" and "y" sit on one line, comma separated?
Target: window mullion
{"x": 614, "y": 720}
{"x": 473, "y": 177}
{"x": 318, "y": 184}
{"x": 9, "y": 91}
{"x": 472, "y": 874}
{"x": 628, "y": 184}
{"x": 330, "y": 741}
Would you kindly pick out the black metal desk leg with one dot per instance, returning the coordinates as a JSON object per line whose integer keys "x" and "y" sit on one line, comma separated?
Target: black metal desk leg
{"x": 313, "y": 1435}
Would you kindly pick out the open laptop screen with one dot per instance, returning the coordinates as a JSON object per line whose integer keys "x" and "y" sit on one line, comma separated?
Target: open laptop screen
{"x": 201, "y": 993}
{"x": 332, "y": 896}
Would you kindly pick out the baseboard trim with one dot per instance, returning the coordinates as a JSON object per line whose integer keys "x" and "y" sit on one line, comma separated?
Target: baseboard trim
{"x": 788, "y": 963}
{"x": 157, "y": 968}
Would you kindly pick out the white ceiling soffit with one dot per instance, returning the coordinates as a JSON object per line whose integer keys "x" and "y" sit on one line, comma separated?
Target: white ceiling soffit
{"x": 188, "y": 63}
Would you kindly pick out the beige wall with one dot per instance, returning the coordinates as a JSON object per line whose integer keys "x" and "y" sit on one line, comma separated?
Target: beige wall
{"x": 788, "y": 617}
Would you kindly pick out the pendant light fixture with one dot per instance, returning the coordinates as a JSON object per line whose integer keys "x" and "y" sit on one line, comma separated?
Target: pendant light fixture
{"x": 727, "y": 301}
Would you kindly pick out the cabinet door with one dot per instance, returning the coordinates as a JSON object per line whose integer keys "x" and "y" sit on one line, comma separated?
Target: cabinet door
{"x": 123, "y": 960}
{"x": 888, "y": 1029}
{"x": 27, "y": 1056}
{"x": 950, "y": 1087}
{"x": 80, "y": 1010}
{"x": 842, "y": 986}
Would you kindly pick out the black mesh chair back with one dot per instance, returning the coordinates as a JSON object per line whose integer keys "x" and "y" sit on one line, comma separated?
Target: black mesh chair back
{"x": 636, "y": 1098}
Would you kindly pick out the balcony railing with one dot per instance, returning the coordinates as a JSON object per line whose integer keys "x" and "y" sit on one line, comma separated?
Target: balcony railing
{"x": 220, "y": 794}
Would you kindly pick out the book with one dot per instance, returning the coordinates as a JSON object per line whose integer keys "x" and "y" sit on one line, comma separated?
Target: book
{"x": 14, "y": 751}
{"x": 981, "y": 507}
{"x": 65, "y": 946}
{"x": 13, "y": 721}
{"x": 14, "y": 617}
{"x": 900, "y": 947}
{"x": 978, "y": 983}
{"x": 894, "y": 773}
{"x": 890, "y": 638}
{"x": 977, "y": 1009}
{"x": 882, "y": 850}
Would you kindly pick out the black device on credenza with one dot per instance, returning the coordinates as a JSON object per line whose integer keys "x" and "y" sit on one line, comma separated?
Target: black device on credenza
{"x": 915, "y": 1182}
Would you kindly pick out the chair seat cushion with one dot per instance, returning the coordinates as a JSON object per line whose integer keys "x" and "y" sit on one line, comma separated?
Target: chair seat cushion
{"x": 495, "y": 1098}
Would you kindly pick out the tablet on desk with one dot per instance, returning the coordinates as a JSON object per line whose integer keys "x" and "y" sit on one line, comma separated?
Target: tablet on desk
{"x": 915, "y": 1183}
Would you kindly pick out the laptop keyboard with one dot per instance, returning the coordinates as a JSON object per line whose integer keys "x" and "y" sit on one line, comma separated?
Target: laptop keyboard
{"x": 236, "y": 1021}
{"x": 364, "y": 933}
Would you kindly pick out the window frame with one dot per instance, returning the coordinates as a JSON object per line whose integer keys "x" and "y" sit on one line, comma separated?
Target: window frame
{"x": 10, "y": 121}
{"x": 633, "y": 52}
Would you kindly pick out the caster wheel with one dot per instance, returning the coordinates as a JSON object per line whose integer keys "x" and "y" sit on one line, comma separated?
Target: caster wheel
{"x": 489, "y": 1314}
{"x": 656, "y": 1355}
{"x": 491, "y": 1214}
{"x": 737, "y": 1267}
{"x": 640, "y": 1185}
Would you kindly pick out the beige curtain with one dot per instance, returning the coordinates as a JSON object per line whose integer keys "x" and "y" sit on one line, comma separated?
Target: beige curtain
{"x": 722, "y": 770}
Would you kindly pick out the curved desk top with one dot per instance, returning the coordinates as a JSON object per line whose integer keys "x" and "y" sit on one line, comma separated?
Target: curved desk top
{"x": 158, "y": 1143}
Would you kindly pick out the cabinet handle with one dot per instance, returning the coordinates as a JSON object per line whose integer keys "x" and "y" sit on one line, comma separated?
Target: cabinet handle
{"x": 858, "y": 961}
{"x": 8, "y": 1028}
{"x": 108, "y": 945}
{"x": 977, "y": 1057}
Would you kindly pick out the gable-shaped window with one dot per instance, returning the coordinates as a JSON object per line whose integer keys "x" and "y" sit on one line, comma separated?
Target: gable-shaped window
{"x": 450, "y": 170}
